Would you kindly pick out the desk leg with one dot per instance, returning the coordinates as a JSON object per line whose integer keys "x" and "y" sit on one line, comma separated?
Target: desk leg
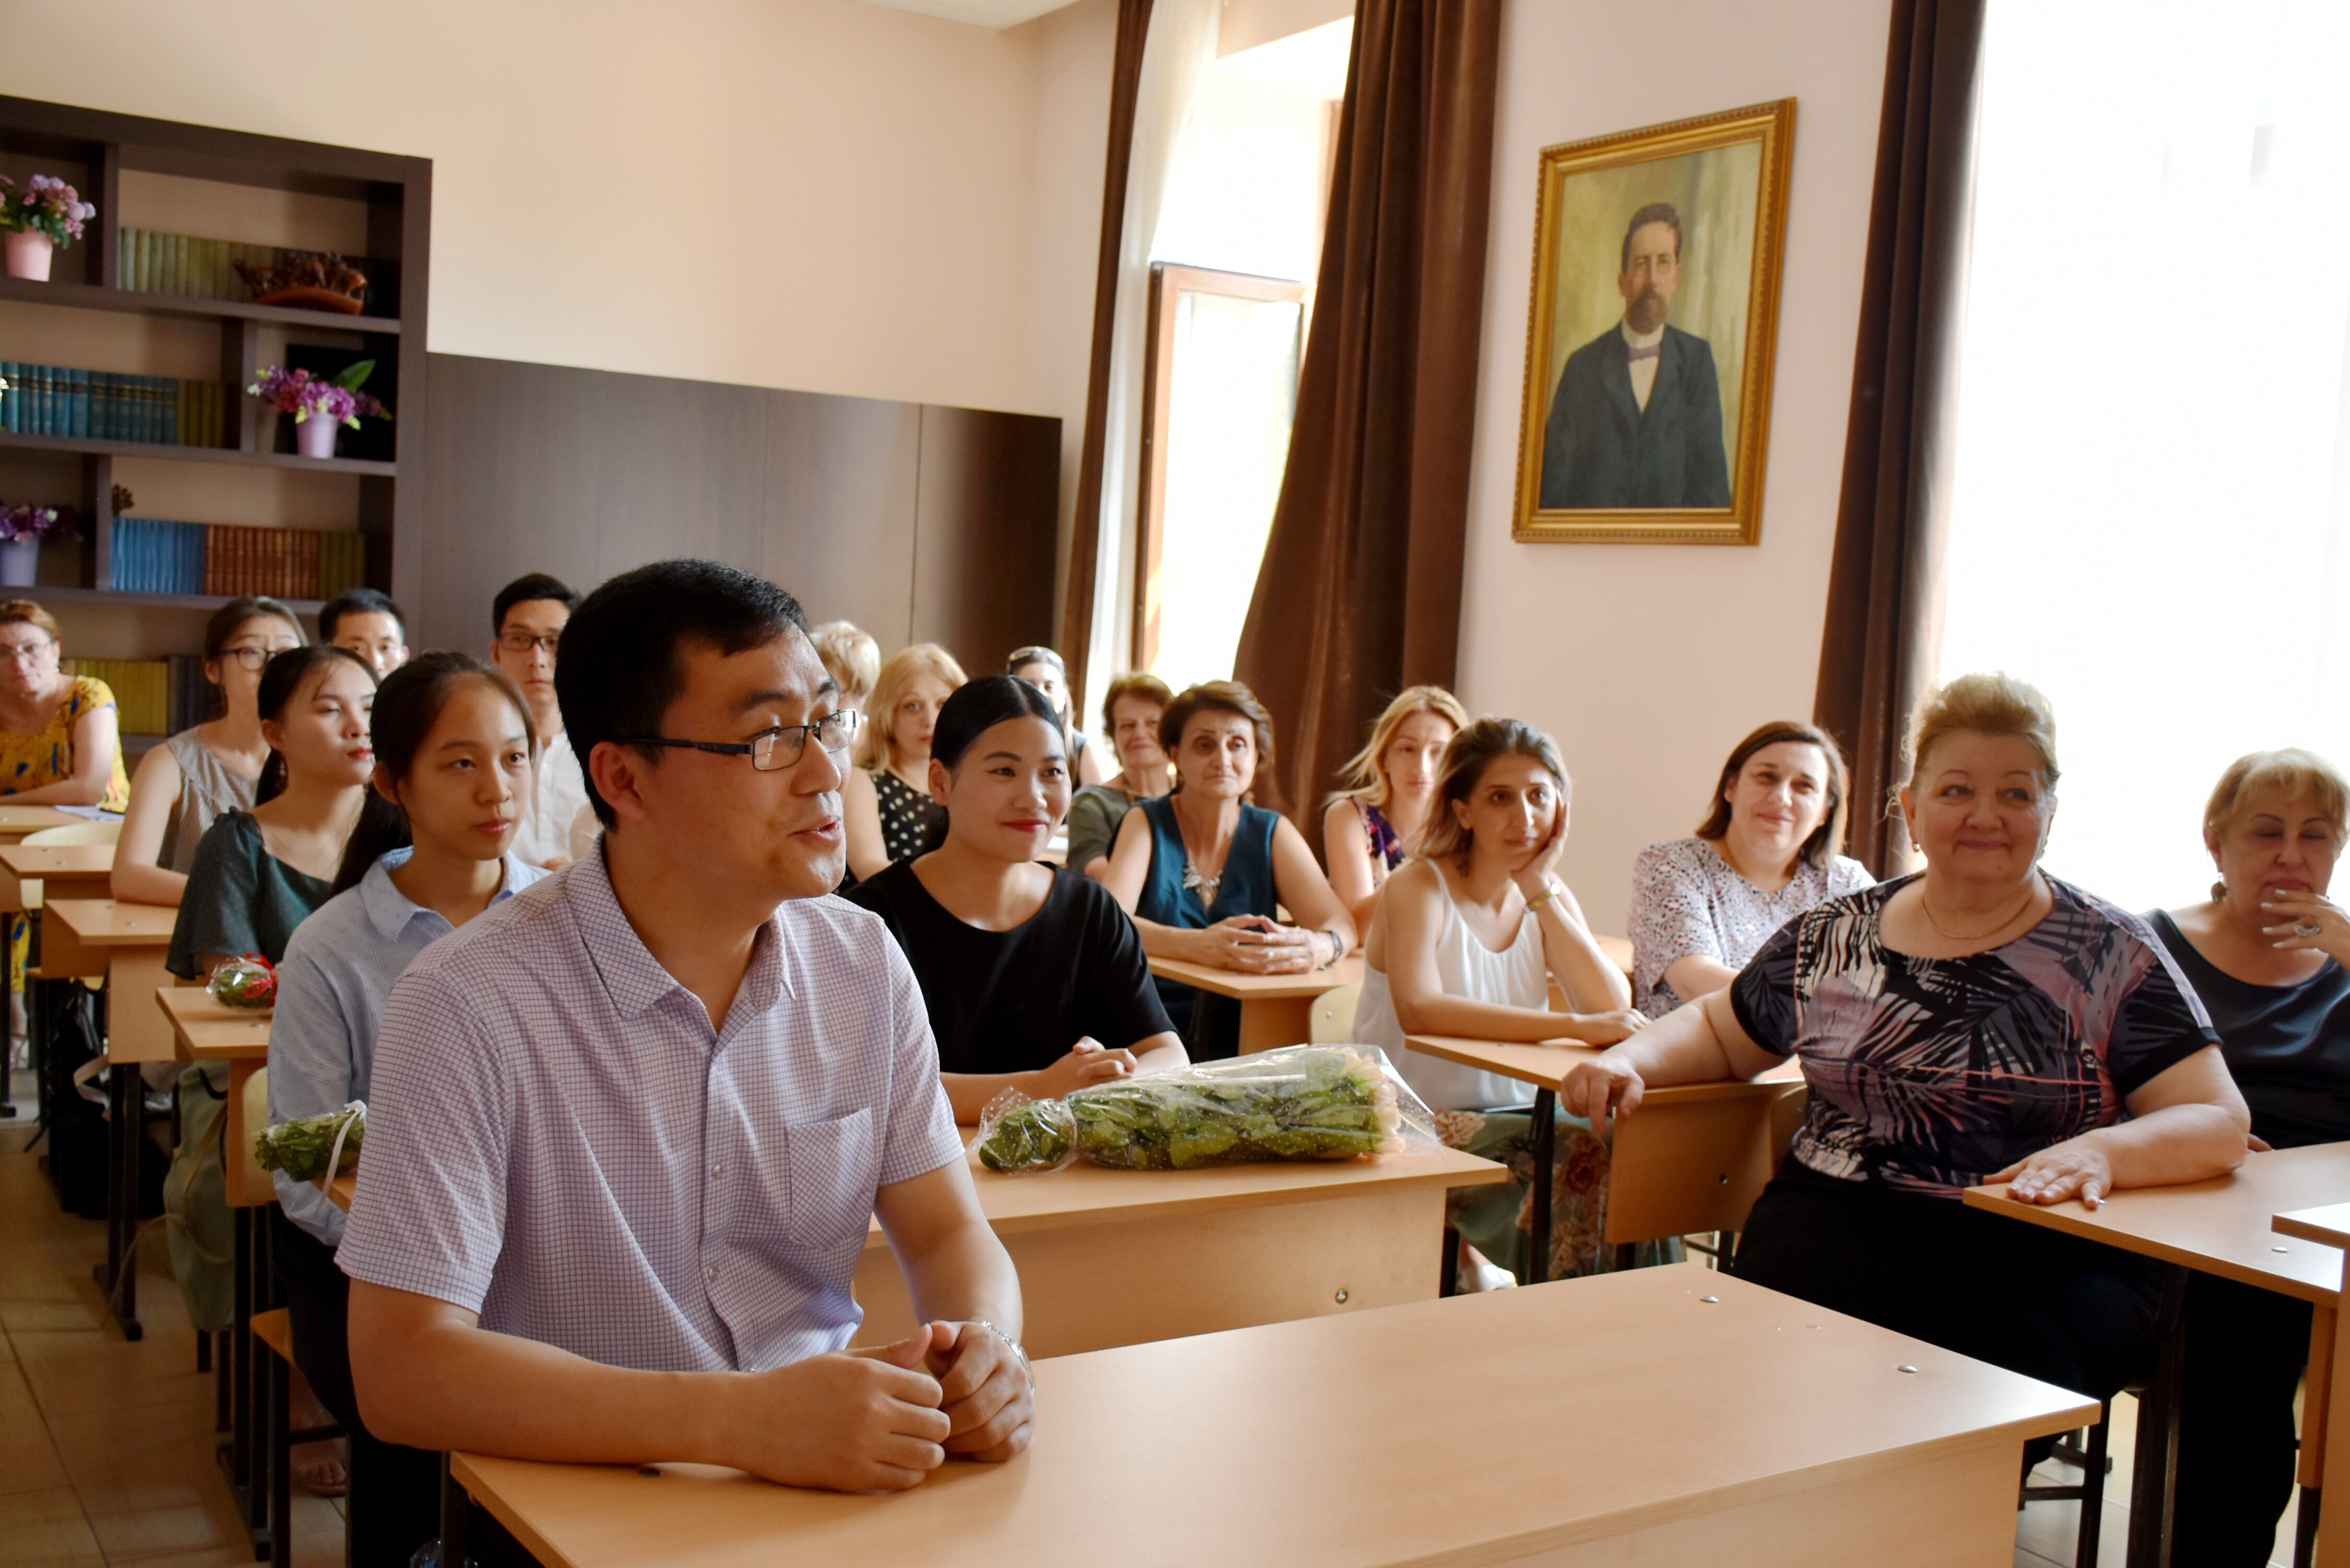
{"x": 2333, "y": 1537}
{"x": 2152, "y": 1492}
{"x": 240, "y": 1364}
{"x": 2317, "y": 1418}
{"x": 454, "y": 1504}
{"x": 1541, "y": 1142}
{"x": 118, "y": 1275}
{"x": 8, "y": 1033}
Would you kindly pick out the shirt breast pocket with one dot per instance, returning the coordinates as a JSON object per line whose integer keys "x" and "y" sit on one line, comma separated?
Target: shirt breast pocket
{"x": 834, "y": 1165}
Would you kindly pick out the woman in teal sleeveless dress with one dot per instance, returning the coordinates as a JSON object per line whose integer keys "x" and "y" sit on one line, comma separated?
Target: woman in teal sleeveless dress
{"x": 1204, "y": 873}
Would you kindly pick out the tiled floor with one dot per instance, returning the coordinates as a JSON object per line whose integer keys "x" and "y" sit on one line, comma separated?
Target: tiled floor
{"x": 106, "y": 1448}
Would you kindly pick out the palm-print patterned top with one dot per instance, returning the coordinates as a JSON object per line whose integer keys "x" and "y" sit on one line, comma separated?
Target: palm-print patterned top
{"x": 1928, "y": 1075}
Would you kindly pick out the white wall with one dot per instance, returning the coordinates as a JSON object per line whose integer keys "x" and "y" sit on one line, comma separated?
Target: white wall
{"x": 1647, "y": 662}
{"x": 804, "y": 193}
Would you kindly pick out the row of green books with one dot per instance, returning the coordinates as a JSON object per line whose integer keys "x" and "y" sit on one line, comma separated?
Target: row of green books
{"x": 182, "y": 265}
{"x": 101, "y": 405}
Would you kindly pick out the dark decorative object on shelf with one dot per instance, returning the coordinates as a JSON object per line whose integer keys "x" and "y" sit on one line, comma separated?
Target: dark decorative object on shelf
{"x": 314, "y": 280}
{"x": 123, "y": 500}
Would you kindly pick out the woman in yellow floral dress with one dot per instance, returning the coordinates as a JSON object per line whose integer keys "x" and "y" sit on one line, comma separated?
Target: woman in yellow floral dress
{"x": 60, "y": 744}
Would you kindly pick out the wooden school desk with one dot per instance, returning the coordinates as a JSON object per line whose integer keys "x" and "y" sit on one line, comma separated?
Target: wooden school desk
{"x": 68, "y": 871}
{"x": 1114, "y": 1257}
{"x": 1118, "y": 1257}
{"x": 204, "y": 1030}
{"x": 2218, "y": 1226}
{"x": 2326, "y": 1402}
{"x": 15, "y": 821}
{"x": 1692, "y": 1158}
{"x": 1690, "y": 1419}
{"x": 126, "y": 943}
{"x": 1277, "y": 1009}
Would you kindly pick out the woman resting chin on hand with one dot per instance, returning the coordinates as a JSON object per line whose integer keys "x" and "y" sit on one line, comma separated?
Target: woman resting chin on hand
{"x": 1467, "y": 934}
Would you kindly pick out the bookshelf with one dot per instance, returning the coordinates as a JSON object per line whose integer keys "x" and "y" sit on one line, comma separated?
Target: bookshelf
{"x": 102, "y": 312}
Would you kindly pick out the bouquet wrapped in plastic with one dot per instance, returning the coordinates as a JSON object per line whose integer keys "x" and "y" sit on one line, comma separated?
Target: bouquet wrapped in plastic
{"x": 247, "y": 981}
{"x": 1303, "y": 1102}
{"x": 314, "y": 1148}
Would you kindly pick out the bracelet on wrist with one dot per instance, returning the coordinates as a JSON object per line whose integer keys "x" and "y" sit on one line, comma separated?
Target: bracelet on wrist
{"x": 1017, "y": 1349}
{"x": 1551, "y": 889}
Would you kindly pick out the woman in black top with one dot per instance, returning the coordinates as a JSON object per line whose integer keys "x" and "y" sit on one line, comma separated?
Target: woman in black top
{"x": 2267, "y": 955}
{"x": 1035, "y": 978}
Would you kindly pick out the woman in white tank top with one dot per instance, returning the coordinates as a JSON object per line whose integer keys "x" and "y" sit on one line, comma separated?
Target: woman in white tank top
{"x": 1466, "y": 941}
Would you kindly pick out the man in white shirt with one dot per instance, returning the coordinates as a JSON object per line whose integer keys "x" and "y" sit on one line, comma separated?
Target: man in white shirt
{"x": 529, "y": 618}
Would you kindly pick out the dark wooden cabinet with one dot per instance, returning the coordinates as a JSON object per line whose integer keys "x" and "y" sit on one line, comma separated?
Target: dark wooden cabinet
{"x": 919, "y": 523}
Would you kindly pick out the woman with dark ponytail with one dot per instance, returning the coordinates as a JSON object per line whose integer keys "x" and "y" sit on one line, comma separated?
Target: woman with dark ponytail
{"x": 1034, "y": 977}
{"x": 451, "y": 780}
{"x": 258, "y": 873}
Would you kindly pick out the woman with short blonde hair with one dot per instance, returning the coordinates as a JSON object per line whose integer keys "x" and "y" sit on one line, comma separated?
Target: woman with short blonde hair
{"x": 885, "y": 808}
{"x": 2267, "y": 954}
{"x": 1383, "y": 796}
{"x": 1979, "y": 1021}
{"x": 851, "y": 657}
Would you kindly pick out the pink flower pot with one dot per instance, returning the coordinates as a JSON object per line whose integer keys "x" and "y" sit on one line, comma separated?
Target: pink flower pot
{"x": 28, "y": 255}
{"x": 20, "y": 563}
{"x": 315, "y": 437}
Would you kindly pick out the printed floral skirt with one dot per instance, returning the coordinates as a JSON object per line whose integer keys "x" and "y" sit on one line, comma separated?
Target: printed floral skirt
{"x": 1498, "y": 1221}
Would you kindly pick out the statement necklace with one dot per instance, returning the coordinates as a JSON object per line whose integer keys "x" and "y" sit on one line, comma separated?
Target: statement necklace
{"x": 1192, "y": 881}
{"x": 2005, "y": 922}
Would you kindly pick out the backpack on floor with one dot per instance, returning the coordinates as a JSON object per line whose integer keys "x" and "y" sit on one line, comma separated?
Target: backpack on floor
{"x": 77, "y": 1115}
{"x": 195, "y": 1196}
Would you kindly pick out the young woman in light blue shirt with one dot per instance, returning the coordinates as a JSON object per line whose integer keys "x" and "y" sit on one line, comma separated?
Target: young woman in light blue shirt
{"x": 452, "y": 741}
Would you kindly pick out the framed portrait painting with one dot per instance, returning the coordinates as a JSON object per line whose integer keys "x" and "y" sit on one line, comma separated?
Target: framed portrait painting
{"x": 1654, "y": 326}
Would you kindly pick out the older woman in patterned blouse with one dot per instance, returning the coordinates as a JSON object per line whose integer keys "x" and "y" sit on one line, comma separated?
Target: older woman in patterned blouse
{"x": 1979, "y": 1023}
{"x": 1767, "y": 852}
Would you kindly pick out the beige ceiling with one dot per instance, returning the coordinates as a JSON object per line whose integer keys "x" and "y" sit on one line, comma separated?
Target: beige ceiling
{"x": 997, "y": 13}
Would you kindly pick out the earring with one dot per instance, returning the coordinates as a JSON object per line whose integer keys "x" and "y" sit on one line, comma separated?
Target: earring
{"x": 2220, "y": 892}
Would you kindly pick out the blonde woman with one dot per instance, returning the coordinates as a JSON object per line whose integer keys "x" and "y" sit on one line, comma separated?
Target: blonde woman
{"x": 886, "y": 807}
{"x": 1389, "y": 783}
{"x": 1981, "y": 1021}
{"x": 2267, "y": 955}
{"x": 850, "y": 657}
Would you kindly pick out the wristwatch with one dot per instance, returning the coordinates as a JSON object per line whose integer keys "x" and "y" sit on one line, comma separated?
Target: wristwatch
{"x": 1017, "y": 1349}
{"x": 1337, "y": 948}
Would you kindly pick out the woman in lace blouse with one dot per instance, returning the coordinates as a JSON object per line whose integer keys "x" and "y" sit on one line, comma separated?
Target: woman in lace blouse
{"x": 1702, "y": 906}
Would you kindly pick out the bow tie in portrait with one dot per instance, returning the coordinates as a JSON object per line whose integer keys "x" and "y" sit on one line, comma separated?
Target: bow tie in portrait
{"x": 1647, "y": 351}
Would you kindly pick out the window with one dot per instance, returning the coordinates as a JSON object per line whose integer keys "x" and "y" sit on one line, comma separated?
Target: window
{"x": 2151, "y": 515}
{"x": 1239, "y": 241}
{"x": 1219, "y": 392}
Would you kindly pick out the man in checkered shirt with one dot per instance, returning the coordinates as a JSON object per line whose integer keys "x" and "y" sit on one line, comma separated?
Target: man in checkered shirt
{"x": 628, "y": 1128}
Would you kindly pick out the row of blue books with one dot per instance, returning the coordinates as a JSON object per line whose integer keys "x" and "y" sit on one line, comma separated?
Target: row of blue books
{"x": 101, "y": 405}
{"x": 151, "y": 555}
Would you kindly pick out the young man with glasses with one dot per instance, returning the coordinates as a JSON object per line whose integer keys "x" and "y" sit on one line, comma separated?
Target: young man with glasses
{"x": 628, "y": 1128}
{"x": 527, "y": 618}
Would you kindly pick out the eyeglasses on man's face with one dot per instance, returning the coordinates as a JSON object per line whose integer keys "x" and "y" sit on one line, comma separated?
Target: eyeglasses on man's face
{"x": 523, "y": 641}
{"x": 772, "y": 750}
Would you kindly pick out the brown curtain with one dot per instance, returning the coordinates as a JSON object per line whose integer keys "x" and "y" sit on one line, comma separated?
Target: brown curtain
{"x": 1884, "y": 610}
{"x": 1360, "y": 590}
{"x": 1085, "y": 533}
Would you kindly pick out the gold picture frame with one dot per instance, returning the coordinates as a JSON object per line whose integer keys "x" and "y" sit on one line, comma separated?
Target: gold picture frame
{"x": 1626, "y": 228}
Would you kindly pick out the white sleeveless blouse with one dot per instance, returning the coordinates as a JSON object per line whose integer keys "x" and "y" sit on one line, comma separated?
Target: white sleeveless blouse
{"x": 1516, "y": 977}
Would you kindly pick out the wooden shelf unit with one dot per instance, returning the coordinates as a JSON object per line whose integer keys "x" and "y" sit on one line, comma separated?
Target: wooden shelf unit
{"x": 93, "y": 149}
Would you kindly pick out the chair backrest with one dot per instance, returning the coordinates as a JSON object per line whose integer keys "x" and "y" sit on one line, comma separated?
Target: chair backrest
{"x": 1334, "y": 1015}
{"x": 1698, "y": 1166}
